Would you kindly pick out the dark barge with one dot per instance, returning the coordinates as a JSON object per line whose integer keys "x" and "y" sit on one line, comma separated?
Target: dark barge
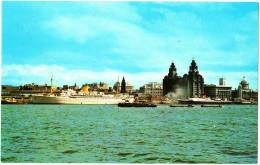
{"x": 137, "y": 105}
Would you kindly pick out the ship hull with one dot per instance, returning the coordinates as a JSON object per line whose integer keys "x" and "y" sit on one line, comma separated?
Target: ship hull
{"x": 74, "y": 100}
{"x": 203, "y": 102}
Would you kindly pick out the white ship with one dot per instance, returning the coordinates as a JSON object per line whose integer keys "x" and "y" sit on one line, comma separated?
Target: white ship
{"x": 77, "y": 100}
{"x": 70, "y": 97}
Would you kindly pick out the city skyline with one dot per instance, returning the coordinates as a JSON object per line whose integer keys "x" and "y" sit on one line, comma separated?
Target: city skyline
{"x": 87, "y": 42}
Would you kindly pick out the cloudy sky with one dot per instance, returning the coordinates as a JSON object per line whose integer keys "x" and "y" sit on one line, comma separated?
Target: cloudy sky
{"x": 87, "y": 42}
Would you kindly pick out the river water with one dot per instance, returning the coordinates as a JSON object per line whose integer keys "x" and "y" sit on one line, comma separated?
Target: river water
{"x": 106, "y": 133}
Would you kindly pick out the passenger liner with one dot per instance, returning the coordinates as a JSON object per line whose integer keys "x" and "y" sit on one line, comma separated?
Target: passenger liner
{"x": 66, "y": 98}
{"x": 77, "y": 100}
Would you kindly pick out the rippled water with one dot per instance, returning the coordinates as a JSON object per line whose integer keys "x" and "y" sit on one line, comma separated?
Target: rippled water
{"x": 85, "y": 133}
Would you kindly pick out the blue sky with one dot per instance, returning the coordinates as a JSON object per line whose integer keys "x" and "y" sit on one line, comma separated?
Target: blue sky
{"x": 87, "y": 42}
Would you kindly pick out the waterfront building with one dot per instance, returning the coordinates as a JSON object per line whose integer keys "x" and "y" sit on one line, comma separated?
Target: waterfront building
{"x": 93, "y": 86}
{"x": 220, "y": 91}
{"x": 74, "y": 87}
{"x": 65, "y": 87}
{"x": 244, "y": 92}
{"x": 152, "y": 89}
{"x": 171, "y": 81}
{"x": 27, "y": 89}
{"x": 195, "y": 81}
{"x": 188, "y": 86}
{"x": 127, "y": 87}
{"x": 117, "y": 87}
{"x": 98, "y": 87}
{"x": 222, "y": 81}
{"x": 103, "y": 87}
{"x": 9, "y": 90}
{"x": 35, "y": 88}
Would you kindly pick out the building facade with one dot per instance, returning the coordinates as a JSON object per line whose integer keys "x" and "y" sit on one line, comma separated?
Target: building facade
{"x": 126, "y": 86}
{"x": 152, "y": 89}
{"x": 195, "y": 81}
{"x": 220, "y": 91}
{"x": 244, "y": 92}
{"x": 189, "y": 86}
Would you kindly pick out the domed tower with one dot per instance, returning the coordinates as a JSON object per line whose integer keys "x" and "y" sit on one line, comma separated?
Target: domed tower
{"x": 193, "y": 67}
{"x": 171, "y": 81}
{"x": 172, "y": 71}
{"x": 195, "y": 81}
{"x": 244, "y": 84}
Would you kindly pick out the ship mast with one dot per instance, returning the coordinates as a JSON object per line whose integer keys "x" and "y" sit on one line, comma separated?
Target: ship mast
{"x": 52, "y": 83}
{"x": 117, "y": 88}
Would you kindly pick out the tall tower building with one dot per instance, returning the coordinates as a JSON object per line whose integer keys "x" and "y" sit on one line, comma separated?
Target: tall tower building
{"x": 222, "y": 81}
{"x": 123, "y": 86}
{"x": 195, "y": 81}
{"x": 190, "y": 85}
{"x": 171, "y": 81}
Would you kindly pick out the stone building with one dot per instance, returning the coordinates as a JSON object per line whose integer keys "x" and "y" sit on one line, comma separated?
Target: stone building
{"x": 172, "y": 81}
{"x": 244, "y": 92}
{"x": 152, "y": 89}
{"x": 195, "y": 81}
{"x": 188, "y": 86}
{"x": 220, "y": 91}
{"x": 117, "y": 87}
{"x": 99, "y": 87}
{"x": 10, "y": 90}
{"x": 127, "y": 87}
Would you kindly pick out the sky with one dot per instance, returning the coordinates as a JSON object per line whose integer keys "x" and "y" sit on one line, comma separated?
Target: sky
{"x": 87, "y": 42}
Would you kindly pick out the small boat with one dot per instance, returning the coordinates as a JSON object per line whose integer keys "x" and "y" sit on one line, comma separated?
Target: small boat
{"x": 10, "y": 101}
{"x": 211, "y": 105}
{"x": 189, "y": 105}
{"x": 136, "y": 104}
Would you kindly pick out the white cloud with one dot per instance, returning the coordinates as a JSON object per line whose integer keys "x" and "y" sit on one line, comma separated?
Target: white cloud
{"x": 23, "y": 74}
{"x": 132, "y": 42}
{"x": 177, "y": 35}
{"x": 141, "y": 43}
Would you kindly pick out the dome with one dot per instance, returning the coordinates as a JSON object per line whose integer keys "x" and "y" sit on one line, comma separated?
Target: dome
{"x": 117, "y": 84}
{"x": 244, "y": 82}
